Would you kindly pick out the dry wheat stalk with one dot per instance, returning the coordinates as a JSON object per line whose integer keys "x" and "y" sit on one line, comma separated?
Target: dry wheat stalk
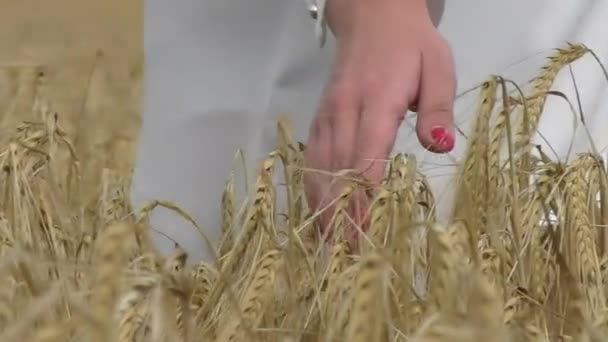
{"x": 523, "y": 258}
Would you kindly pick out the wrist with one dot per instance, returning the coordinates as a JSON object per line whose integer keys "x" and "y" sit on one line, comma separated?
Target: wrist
{"x": 316, "y": 9}
{"x": 335, "y": 13}
{"x": 401, "y": 7}
{"x": 405, "y": 4}
{"x": 352, "y": 12}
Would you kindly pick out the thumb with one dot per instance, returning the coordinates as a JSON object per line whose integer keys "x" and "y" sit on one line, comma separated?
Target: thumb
{"x": 434, "y": 125}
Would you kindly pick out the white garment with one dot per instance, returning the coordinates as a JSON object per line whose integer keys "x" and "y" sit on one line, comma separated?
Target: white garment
{"x": 219, "y": 73}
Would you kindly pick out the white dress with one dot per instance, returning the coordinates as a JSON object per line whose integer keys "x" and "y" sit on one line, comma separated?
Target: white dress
{"x": 219, "y": 73}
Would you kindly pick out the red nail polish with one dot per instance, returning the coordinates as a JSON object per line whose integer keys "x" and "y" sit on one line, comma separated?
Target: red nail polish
{"x": 443, "y": 138}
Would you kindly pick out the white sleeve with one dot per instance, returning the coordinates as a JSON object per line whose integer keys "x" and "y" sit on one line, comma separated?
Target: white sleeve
{"x": 317, "y": 8}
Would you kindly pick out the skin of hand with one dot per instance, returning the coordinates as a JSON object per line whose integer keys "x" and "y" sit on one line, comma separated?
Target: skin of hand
{"x": 389, "y": 58}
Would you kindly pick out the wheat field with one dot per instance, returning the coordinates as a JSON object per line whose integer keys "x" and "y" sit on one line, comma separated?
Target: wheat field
{"x": 86, "y": 56}
{"x": 524, "y": 259}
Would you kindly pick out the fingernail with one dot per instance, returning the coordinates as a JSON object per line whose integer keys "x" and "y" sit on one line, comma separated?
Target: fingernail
{"x": 443, "y": 137}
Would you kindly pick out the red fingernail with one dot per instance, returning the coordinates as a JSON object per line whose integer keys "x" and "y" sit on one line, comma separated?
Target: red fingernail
{"x": 443, "y": 138}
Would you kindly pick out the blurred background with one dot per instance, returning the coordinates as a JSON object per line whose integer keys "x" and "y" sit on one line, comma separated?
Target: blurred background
{"x": 83, "y": 58}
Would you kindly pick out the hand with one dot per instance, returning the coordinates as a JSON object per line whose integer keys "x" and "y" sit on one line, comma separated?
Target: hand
{"x": 389, "y": 58}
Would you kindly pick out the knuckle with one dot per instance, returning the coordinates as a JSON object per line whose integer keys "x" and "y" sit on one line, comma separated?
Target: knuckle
{"x": 339, "y": 99}
{"x": 442, "y": 102}
{"x": 438, "y": 108}
{"x": 339, "y": 105}
{"x": 373, "y": 83}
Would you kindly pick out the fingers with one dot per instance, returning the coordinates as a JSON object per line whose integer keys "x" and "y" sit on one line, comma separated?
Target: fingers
{"x": 378, "y": 128}
{"x": 340, "y": 112}
{"x": 357, "y": 123}
{"x": 385, "y": 105}
{"x": 316, "y": 156}
{"x": 331, "y": 147}
{"x": 434, "y": 126}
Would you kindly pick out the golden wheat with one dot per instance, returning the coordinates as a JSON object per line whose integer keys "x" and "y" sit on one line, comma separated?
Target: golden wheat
{"x": 523, "y": 257}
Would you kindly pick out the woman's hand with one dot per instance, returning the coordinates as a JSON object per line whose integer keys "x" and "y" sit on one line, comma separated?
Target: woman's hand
{"x": 389, "y": 58}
